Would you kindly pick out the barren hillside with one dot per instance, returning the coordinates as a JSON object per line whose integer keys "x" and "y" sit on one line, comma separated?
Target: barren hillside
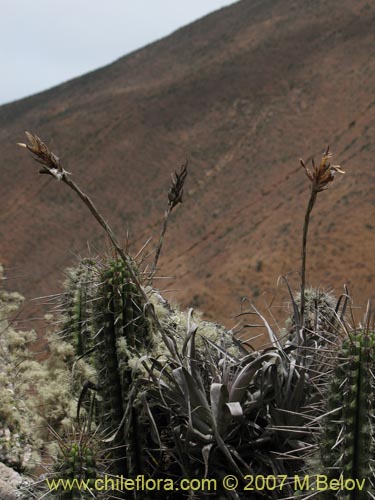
{"x": 242, "y": 93}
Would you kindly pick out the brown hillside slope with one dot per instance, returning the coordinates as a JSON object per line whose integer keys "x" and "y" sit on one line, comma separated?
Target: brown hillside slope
{"x": 243, "y": 93}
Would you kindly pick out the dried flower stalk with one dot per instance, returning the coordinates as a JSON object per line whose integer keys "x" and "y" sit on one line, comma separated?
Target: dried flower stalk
{"x": 320, "y": 176}
{"x": 174, "y": 198}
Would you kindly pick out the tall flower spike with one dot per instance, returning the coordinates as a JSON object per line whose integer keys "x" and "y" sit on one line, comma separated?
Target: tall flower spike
{"x": 321, "y": 175}
{"x": 174, "y": 198}
{"x": 51, "y": 163}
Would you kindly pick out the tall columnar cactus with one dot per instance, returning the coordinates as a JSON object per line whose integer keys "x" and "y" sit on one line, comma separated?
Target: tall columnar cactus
{"x": 348, "y": 440}
{"x": 123, "y": 334}
{"x": 106, "y": 324}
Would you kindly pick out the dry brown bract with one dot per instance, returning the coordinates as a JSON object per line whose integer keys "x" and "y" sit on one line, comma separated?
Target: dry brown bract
{"x": 323, "y": 174}
{"x": 51, "y": 163}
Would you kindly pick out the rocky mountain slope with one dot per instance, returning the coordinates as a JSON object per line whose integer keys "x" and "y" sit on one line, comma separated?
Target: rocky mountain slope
{"x": 242, "y": 94}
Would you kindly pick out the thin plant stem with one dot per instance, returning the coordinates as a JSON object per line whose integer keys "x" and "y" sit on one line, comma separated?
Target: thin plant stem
{"x": 174, "y": 198}
{"x": 309, "y": 208}
{"x": 320, "y": 176}
{"x": 161, "y": 239}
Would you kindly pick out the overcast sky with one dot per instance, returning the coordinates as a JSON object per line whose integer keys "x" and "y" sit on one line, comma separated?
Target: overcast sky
{"x": 46, "y": 42}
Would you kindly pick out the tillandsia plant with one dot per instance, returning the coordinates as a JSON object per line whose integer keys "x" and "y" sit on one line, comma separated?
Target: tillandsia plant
{"x": 217, "y": 413}
{"x": 284, "y": 393}
{"x": 197, "y": 401}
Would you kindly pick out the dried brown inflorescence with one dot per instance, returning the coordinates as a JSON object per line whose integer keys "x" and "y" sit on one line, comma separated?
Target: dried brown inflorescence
{"x": 177, "y": 186}
{"x": 51, "y": 163}
{"x": 174, "y": 198}
{"x": 322, "y": 174}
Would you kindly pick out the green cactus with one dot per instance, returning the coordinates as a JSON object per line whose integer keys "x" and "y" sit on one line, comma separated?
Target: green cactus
{"x": 77, "y": 464}
{"x": 320, "y": 316}
{"x": 123, "y": 333}
{"x": 315, "y": 345}
{"x": 106, "y": 324}
{"x": 347, "y": 445}
{"x": 78, "y": 325}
